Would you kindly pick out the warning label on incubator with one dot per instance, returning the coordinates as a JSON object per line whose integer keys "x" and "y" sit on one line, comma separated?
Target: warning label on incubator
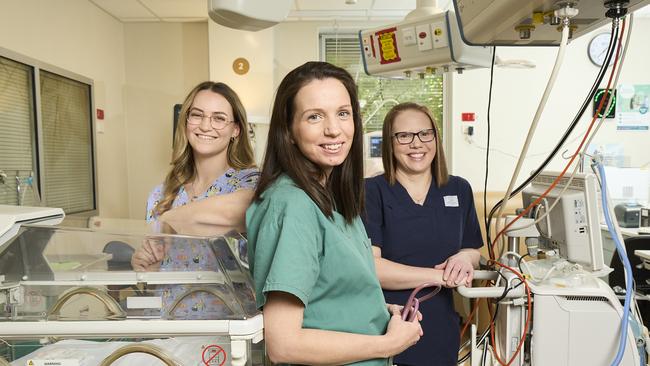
{"x": 213, "y": 355}
{"x": 56, "y": 362}
{"x": 388, "y": 52}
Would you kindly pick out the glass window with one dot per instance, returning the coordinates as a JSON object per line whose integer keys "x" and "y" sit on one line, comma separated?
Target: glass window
{"x": 67, "y": 143}
{"x": 16, "y": 132}
{"x": 46, "y": 141}
{"x": 376, "y": 94}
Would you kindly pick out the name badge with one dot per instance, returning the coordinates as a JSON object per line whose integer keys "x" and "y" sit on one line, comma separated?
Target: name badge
{"x": 451, "y": 201}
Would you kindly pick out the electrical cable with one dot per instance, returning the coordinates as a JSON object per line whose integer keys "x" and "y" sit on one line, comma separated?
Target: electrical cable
{"x": 484, "y": 338}
{"x": 520, "y": 261}
{"x": 538, "y": 114}
{"x": 594, "y": 88}
{"x": 487, "y": 150}
{"x": 486, "y": 332}
{"x": 571, "y": 127}
{"x": 628, "y": 295}
{"x": 617, "y": 72}
{"x": 526, "y": 324}
{"x": 566, "y": 134}
{"x": 556, "y": 181}
{"x": 552, "y": 186}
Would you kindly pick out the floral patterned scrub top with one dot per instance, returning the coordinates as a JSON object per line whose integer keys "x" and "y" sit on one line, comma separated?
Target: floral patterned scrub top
{"x": 183, "y": 256}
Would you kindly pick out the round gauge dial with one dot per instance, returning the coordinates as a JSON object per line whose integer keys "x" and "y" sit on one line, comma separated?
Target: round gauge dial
{"x": 597, "y": 49}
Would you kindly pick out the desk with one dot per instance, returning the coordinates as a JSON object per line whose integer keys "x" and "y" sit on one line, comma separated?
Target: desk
{"x": 609, "y": 247}
{"x": 645, "y": 257}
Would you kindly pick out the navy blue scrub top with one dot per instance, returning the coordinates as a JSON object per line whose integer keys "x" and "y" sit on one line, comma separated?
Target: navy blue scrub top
{"x": 423, "y": 236}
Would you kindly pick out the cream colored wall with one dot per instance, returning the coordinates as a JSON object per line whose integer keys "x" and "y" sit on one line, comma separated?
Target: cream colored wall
{"x": 77, "y": 36}
{"x": 295, "y": 44}
{"x": 164, "y": 61}
{"x": 516, "y": 95}
{"x": 254, "y": 87}
{"x": 141, "y": 70}
{"x": 272, "y": 53}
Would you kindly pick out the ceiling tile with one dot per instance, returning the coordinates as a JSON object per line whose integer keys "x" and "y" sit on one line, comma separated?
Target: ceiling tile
{"x": 394, "y": 4}
{"x": 178, "y": 8}
{"x": 196, "y": 10}
{"x": 124, "y": 8}
{"x": 333, "y": 5}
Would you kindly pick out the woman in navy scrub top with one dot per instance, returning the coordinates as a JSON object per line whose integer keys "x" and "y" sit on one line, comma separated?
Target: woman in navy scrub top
{"x": 423, "y": 228}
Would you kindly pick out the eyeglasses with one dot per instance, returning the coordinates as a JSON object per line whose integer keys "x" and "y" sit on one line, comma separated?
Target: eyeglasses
{"x": 217, "y": 121}
{"x": 405, "y": 138}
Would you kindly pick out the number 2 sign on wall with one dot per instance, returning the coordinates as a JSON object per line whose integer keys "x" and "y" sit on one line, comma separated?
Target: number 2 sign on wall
{"x": 240, "y": 66}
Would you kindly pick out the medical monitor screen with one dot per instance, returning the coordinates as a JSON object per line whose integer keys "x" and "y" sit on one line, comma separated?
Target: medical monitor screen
{"x": 572, "y": 227}
{"x": 375, "y": 146}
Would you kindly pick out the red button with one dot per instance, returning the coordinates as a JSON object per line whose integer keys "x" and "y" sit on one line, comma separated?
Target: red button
{"x": 422, "y": 35}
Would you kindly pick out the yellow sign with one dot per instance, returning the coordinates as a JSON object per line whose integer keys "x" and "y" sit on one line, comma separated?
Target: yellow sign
{"x": 388, "y": 46}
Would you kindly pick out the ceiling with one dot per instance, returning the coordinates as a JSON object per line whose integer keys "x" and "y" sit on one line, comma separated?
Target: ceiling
{"x": 196, "y": 10}
{"x": 340, "y": 10}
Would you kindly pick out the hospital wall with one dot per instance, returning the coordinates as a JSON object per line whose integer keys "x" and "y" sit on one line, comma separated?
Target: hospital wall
{"x": 77, "y": 36}
{"x": 141, "y": 69}
{"x": 516, "y": 94}
{"x": 272, "y": 53}
{"x": 163, "y": 62}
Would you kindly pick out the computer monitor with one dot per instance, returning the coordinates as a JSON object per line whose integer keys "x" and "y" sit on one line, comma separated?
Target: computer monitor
{"x": 177, "y": 112}
{"x": 375, "y": 147}
{"x": 573, "y": 226}
{"x": 373, "y": 164}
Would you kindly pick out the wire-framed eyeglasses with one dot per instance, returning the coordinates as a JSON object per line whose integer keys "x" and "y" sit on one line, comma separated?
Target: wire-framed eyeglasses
{"x": 410, "y": 310}
{"x": 405, "y": 138}
{"x": 218, "y": 121}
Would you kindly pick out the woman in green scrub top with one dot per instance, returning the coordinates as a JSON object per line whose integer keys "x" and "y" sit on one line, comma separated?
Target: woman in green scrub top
{"x": 309, "y": 253}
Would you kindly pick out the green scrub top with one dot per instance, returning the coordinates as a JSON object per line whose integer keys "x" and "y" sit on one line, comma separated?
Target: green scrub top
{"x": 327, "y": 264}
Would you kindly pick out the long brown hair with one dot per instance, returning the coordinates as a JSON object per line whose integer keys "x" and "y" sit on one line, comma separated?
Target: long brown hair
{"x": 344, "y": 189}
{"x": 438, "y": 165}
{"x": 183, "y": 170}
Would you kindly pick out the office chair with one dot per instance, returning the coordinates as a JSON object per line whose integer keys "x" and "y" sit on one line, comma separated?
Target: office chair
{"x": 640, "y": 274}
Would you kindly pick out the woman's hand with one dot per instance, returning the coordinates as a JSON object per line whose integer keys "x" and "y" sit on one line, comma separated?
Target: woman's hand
{"x": 148, "y": 256}
{"x": 458, "y": 269}
{"x": 394, "y": 307}
{"x": 403, "y": 334}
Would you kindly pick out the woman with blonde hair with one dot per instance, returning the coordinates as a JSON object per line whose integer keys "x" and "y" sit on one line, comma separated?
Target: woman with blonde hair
{"x": 213, "y": 173}
{"x": 423, "y": 228}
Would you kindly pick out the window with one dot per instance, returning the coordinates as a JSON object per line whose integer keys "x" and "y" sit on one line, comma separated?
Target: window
{"x": 46, "y": 137}
{"x": 378, "y": 95}
{"x": 16, "y": 130}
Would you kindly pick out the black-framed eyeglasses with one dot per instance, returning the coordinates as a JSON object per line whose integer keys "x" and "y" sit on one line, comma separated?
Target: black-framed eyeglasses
{"x": 217, "y": 121}
{"x": 405, "y": 138}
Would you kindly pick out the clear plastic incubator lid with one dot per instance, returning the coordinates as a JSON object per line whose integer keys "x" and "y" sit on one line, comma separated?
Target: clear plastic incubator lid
{"x": 62, "y": 273}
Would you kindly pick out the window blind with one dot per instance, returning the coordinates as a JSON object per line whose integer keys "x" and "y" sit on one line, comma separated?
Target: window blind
{"x": 16, "y": 130}
{"x": 378, "y": 95}
{"x": 67, "y": 143}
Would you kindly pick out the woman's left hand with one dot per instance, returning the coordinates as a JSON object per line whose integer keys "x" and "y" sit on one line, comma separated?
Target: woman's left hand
{"x": 392, "y": 308}
{"x": 458, "y": 270}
